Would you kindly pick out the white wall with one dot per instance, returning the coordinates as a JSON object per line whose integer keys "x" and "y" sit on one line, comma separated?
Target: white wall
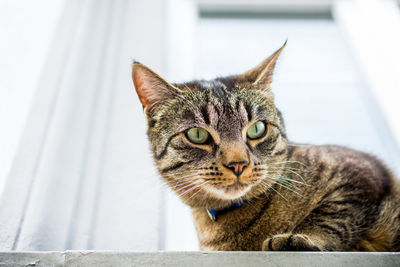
{"x": 26, "y": 31}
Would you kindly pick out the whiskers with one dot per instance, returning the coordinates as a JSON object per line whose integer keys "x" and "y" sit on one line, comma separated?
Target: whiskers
{"x": 273, "y": 175}
{"x": 192, "y": 188}
{"x": 189, "y": 183}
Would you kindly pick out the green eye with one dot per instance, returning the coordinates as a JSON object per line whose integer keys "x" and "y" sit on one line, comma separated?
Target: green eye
{"x": 256, "y": 130}
{"x": 197, "y": 135}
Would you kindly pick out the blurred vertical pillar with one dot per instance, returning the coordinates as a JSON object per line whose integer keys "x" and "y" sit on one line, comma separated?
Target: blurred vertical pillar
{"x": 372, "y": 29}
{"x": 79, "y": 179}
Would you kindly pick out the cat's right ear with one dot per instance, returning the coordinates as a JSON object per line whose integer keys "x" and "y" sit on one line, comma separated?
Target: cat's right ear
{"x": 151, "y": 88}
{"x": 262, "y": 74}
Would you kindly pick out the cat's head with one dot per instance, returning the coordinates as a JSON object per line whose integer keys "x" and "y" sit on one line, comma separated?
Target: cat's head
{"x": 212, "y": 141}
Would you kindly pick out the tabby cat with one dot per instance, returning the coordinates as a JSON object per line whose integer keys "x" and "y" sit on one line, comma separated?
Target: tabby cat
{"x": 221, "y": 145}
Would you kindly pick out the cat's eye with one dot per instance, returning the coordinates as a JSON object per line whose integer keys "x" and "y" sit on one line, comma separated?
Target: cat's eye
{"x": 197, "y": 135}
{"x": 256, "y": 130}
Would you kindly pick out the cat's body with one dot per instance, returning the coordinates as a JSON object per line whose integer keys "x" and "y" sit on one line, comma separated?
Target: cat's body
{"x": 222, "y": 142}
{"x": 345, "y": 207}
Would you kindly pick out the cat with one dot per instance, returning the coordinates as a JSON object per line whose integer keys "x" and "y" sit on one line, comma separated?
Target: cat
{"x": 221, "y": 145}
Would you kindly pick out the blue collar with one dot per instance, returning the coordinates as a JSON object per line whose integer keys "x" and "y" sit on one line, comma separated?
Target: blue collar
{"x": 212, "y": 213}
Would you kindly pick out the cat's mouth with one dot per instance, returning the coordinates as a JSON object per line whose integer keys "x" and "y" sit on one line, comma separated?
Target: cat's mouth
{"x": 236, "y": 186}
{"x": 232, "y": 191}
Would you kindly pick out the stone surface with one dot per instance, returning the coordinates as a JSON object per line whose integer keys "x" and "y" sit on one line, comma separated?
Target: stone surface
{"x": 15, "y": 259}
{"x": 220, "y": 259}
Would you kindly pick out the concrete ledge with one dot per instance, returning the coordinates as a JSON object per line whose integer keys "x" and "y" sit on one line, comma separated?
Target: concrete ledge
{"x": 109, "y": 258}
{"x": 32, "y": 259}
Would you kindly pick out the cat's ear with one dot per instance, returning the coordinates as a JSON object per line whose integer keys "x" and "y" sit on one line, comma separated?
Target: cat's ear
{"x": 151, "y": 88}
{"x": 262, "y": 73}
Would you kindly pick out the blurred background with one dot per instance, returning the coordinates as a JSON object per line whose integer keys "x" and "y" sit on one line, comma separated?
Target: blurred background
{"x": 76, "y": 170}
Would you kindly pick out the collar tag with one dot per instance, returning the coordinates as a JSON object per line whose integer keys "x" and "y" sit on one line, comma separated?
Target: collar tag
{"x": 212, "y": 214}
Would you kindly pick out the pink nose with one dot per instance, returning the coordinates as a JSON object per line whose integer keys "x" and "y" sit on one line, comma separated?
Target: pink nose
{"x": 237, "y": 167}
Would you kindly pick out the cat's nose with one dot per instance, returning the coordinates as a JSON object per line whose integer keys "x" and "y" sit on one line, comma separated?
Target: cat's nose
{"x": 237, "y": 167}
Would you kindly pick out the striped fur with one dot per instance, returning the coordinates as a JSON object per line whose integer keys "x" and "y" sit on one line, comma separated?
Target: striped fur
{"x": 299, "y": 197}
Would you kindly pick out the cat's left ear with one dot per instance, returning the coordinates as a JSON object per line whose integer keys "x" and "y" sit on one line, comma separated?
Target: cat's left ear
{"x": 151, "y": 88}
{"x": 262, "y": 73}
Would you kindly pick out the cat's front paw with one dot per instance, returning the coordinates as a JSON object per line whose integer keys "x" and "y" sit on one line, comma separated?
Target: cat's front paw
{"x": 289, "y": 242}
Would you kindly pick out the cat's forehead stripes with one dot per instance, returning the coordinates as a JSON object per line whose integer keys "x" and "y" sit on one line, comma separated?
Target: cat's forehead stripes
{"x": 213, "y": 114}
{"x": 221, "y": 107}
